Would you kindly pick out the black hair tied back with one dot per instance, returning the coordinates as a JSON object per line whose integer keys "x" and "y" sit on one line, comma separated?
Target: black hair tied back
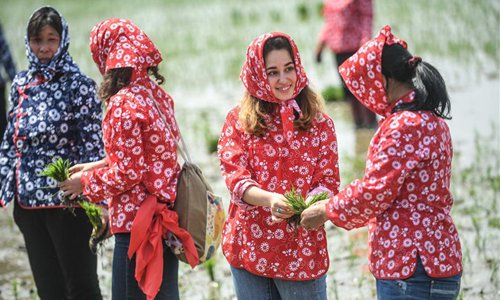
{"x": 414, "y": 61}
{"x": 429, "y": 86}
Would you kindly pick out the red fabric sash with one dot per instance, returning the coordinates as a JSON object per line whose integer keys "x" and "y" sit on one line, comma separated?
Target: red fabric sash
{"x": 151, "y": 223}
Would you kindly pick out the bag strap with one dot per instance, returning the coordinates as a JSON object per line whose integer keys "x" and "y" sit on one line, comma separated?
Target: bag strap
{"x": 183, "y": 150}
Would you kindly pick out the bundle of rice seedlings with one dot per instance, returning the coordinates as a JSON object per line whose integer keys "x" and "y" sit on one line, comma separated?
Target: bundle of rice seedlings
{"x": 299, "y": 204}
{"x": 59, "y": 171}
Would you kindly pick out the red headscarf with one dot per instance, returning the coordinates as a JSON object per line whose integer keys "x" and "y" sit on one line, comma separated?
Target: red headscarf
{"x": 362, "y": 72}
{"x": 119, "y": 43}
{"x": 254, "y": 78}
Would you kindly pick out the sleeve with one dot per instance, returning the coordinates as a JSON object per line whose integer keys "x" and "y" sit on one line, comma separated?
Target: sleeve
{"x": 8, "y": 153}
{"x": 88, "y": 115}
{"x": 6, "y": 57}
{"x": 126, "y": 157}
{"x": 233, "y": 157}
{"x": 365, "y": 15}
{"x": 391, "y": 160}
{"x": 327, "y": 29}
{"x": 327, "y": 174}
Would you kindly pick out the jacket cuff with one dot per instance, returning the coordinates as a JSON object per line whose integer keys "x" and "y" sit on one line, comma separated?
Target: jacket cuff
{"x": 239, "y": 191}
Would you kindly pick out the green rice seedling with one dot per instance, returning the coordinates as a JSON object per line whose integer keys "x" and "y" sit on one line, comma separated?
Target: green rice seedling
{"x": 299, "y": 204}
{"x": 302, "y": 12}
{"x": 14, "y": 289}
{"x": 275, "y": 16}
{"x": 333, "y": 93}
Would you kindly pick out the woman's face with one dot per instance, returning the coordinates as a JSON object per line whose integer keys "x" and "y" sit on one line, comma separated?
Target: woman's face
{"x": 281, "y": 74}
{"x": 45, "y": 44}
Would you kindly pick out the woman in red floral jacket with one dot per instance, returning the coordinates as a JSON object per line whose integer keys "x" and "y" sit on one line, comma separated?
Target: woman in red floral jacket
{"x": 139, "y": 175}
{"x": 348, "y": 25}
{"x": 277, "y": 139}
{"x": 404, "y": 197}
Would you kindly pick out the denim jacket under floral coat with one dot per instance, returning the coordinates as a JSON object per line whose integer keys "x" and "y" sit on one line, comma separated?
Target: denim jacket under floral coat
{"x": 54, "y": 113}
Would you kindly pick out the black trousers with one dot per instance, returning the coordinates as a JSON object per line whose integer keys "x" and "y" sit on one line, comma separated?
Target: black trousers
{"x": 362, "y": 116}
{"x": 57, "y": 244}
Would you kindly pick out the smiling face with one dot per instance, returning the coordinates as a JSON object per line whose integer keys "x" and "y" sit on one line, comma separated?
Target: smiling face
{"x": 45, "y": 44}
{"x": 281, "y": 73}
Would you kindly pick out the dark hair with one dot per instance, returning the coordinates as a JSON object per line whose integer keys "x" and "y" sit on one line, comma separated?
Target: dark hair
{"x": 277, "y": 43}
{"x": 429, "y": 86}
{"x": 115, "y": 79}
{"x": 42, "y": 17}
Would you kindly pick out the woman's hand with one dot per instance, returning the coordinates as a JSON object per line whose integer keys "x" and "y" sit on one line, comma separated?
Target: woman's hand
{"x": 314, "y": 216}
{"x": 86, "y": 166}
{"x": 280, "y": 209}
{"x": 319, "y": 50}
{"x": 72, "y": 187}
{"x": 277, "y": 202}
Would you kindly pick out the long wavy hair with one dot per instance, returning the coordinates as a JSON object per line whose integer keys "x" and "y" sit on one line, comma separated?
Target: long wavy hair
{"x": 116, "y": 79}
{"x": 254, "y": 112}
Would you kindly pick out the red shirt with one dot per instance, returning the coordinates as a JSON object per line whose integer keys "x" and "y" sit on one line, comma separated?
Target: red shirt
{"x": 250, "y": 240}
{"x": 141, "y": 154}
{"x": 348, "y": 24}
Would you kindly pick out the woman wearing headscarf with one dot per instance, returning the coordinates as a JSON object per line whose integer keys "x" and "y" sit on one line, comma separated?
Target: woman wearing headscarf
{"x": 277, "y": 139}
{"x": 139, "y": 175}
{"x": 55, "y": 113}
{"x": 404, "y": 197}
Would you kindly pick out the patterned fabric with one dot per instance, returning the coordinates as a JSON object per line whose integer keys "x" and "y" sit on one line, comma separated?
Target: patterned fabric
{"x": 140, "y": 179}
{"x": 6, "y": 59}
{"x": 141, "y": 152}
{"x": 54, "y": 113}
{"x": 254, "y": 78}
{"x": 404, "y": 196}
{"x": 362, "y": 72}
{"x": 250, "y": 240}
{"x": 348, "y": 24}
{"x": 118, "y": 43}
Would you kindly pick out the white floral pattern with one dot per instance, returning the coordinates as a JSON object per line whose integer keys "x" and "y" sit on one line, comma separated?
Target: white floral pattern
{"x": 404, "y": 197}
{"x": 250, "y": 239}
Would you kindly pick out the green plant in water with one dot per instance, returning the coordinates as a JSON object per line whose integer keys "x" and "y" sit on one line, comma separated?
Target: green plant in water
{"x": 14, "y": 289}
{"x": 275, "y": 16}
{"x": 210, "y": 267}
{"x": 213, "y": 285}
{"x": 299, "y": 204}
{"x": 302, "y": 12}
{"x": 59, "y": 171}
{"x": 333, "y": 94}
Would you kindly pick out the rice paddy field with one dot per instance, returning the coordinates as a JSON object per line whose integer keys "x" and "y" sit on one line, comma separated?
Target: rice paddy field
{"x": 203, "y": 43}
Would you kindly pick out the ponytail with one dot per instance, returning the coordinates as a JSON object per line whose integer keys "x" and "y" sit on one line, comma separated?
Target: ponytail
{"x": 429, "y": 86}
{"x": 154, "y": 71}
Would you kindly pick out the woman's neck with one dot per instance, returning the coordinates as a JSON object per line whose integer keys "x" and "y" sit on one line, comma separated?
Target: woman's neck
{"x": 397, "y": 90}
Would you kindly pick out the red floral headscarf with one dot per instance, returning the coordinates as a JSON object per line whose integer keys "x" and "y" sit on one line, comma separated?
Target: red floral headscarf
{"x": 254, "y": 78}
{"x": 118, "y": 43}
{"x": 362, "y": 72}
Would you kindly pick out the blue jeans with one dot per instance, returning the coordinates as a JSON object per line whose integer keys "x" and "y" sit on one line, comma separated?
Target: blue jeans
{"x": 419, "y": 286}
{"x": 252, "y": 287}
{"x": 124, "y": 286}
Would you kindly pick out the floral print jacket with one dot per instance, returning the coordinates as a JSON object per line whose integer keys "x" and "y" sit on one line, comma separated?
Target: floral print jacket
{"x": 250, "y": 239}
{"x": 404, "y": 196}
